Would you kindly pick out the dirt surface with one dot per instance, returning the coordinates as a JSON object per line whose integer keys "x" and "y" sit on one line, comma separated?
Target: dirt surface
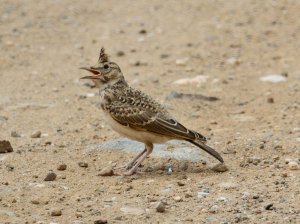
{"x": 255, "y": 125}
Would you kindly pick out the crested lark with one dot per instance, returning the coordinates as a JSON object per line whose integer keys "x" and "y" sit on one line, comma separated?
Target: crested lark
{"x": 136, "y": 115}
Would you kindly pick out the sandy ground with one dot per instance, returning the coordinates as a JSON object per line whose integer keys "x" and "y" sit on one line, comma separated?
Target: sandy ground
{"x": 255, "y": 125}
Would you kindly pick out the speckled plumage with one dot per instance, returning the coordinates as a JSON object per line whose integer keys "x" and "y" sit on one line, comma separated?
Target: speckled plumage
{"x": 136, "y": 115}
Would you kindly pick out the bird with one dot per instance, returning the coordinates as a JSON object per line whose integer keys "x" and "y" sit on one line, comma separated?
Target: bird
{"x": 137, "y": 116}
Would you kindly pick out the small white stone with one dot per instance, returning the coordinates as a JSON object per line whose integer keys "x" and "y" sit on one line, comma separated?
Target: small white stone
{"x": 177, "y": 198}
{"x": 201, "y": 194}
{"x": 233, "y": 61}
{"x": 198, "y": 80}
{"x": 273, "y": 78}
{"x": 90, "y": 94}
{"x": 293, "y": 165}
{"x": 222, "y": 199}
{"x": 214, "y": 209}
{"x": 245, "y": 195}
{"x": 182, "y": 61}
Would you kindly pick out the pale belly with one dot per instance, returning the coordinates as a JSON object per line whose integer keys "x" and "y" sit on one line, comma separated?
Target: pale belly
{"x": 128, "y": 132}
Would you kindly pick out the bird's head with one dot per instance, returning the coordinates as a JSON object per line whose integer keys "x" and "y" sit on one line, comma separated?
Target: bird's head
{"x": 105, "y": 72}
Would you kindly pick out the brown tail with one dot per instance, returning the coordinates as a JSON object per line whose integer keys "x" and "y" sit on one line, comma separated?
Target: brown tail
{"x": 207, "y": 149}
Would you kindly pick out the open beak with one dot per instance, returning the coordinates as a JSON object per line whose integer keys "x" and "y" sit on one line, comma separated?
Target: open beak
{"x": 92, "y": 70}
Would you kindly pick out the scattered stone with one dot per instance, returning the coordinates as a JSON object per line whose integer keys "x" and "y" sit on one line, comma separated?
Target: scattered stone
{"x": 50, "y": 176}
{"x": 202, "y": 194}
{"x": 221, "y": 198}
{"x": 214, "y": 209}
{"x": 206, "y": 190}
{"x": 14, "y": 134}
{"x": 269, "y": 206}
{"x": 254, "y": 160}
{"x": 100, "y": 221}
{"x": 184, "y": 166}
{"x": 5, "y": 146}
{"x": 106, "y": 171}
{"x": 163, "y": 56}
{"x": 245, "y": 195}
{"x": 83, "y": 164}
{"x": 233, "y": 61}
{"x": 143, "y": 31}
{"x": 62, "y": 167}
{"x": 56, "y": 212}
{"x": 35, "y": 201}
{"x": 182, "y": 61}
{"x": 274, "y": 78}
{"x": 169, "y": 169}
{"x": 180, "y": 183}
{"x": 197, "y": 80}
{"x": 292, "y": 165}
{"x": 270, "y": 100}
{"x": 9, "y": 167}
{"x": 120, "y": 53}
{"x": 36, "y": 134}
{"x": 188, "y": 194}
{"x": 177, "y": 198}
{"x": 160, "y": 207}
{"x": 221, "y": 167}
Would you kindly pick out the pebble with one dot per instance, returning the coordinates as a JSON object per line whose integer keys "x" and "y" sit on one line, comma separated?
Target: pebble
{"x": 233, "y": 61}
{"x": 245, "y": 195}
{"x": 202, "y": 194}
{"x": 222, "y": 199}
{"x": 184, "y": 166}
{"x": 160, "y": 207}
{"x": 270, "y": 100}
{"x": 177, "y": 198}
{"x": 10, "y": 167}
{"x": 169, "y": 169}
{"x": 5, "y": 146}
{"x": 120, "y": 53}
{"x": 254, "y": 160}
{"x": 83, "y": 164}
{"x": 197, "y": 80}
{"x": 62, "y": 167}
{"x": 182, "y": 61}
{"x": 269, "y": 206}
{"x": 14, "y": 134}
{"x": 221, "y": 167}
{"x": 100, "y": 221}
{"x": 106, "y": 171}
{"x": 50, "y": 176}
{"x": 214, "y": 209}
{"x": 56, "y": 212}
{"x": 292, "y": 165}
{"x": 274, "y": 78}
{"x": 36, "y": 134}
{"x": 35, "y": 201}
{"x": 188, "y": 194}
{"x": 180, "y": 183}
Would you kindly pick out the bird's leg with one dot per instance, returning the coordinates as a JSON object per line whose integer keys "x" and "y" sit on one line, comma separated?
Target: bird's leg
{"x": 128, "y": 165}
{"x": 149, "y": 149}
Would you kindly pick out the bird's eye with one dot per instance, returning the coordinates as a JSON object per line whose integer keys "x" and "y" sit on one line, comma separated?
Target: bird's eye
{"x": 106, "y": 66}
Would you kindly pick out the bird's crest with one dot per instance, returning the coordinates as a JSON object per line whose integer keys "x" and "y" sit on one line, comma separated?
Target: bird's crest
{"x": 103, "y": 57}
